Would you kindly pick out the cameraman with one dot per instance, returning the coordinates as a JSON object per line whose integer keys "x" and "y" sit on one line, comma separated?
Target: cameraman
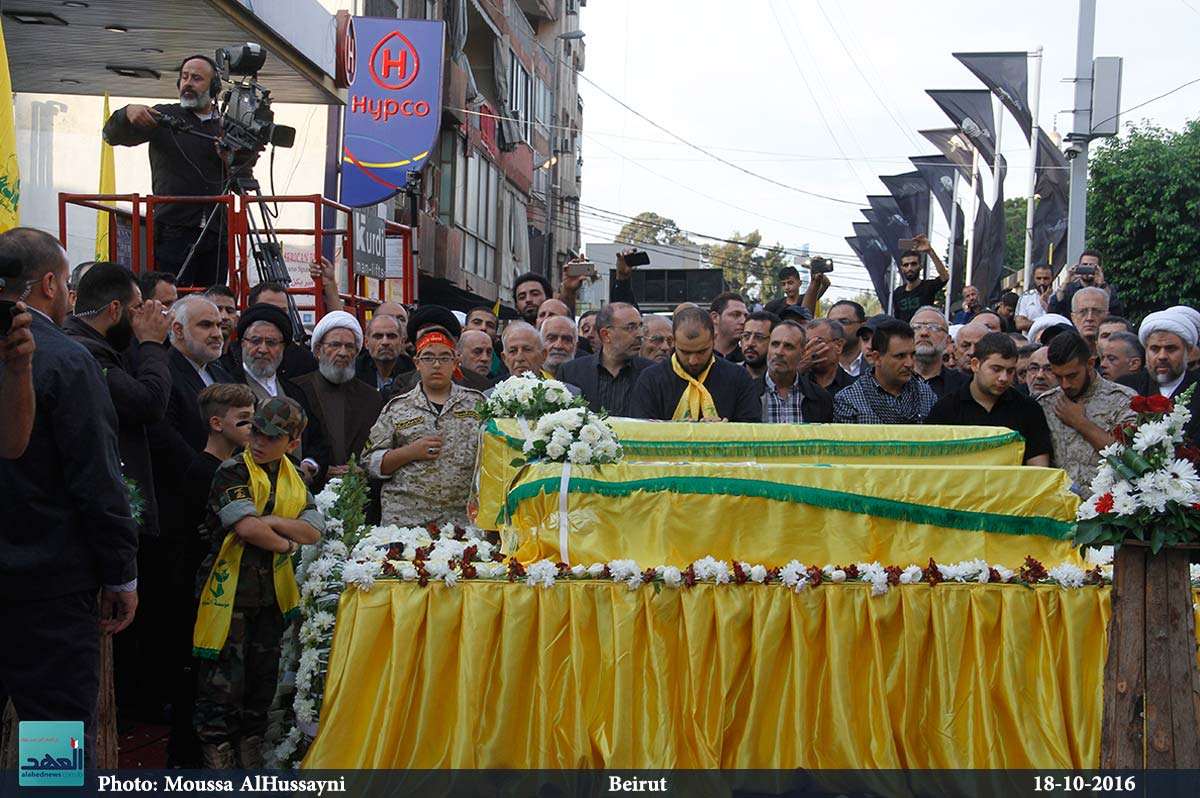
{"x": 182, "y": 165}
{"x": 1085, "y": 274}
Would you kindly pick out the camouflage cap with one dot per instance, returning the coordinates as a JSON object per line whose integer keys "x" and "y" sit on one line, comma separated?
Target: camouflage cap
{"x": 280, "y": 415}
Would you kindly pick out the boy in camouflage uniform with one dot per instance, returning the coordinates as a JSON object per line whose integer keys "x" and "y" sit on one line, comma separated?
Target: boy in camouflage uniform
{"x": 423, "y": 445}
{"x": 237, "y": 676}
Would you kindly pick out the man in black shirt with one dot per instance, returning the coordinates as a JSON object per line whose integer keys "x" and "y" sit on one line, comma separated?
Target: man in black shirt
{"x": 990, "y": 400}
{"x": 729, "y": 320}
{"x": 694, "y": 384}
{"x": 607, "y": 378}
{"x": 184, "y": 166}
{"x": 930, "y": 336}
{"x": 915, "y": 292}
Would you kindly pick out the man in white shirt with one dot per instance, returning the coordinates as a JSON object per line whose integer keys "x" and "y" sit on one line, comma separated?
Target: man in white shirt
{"x": 1033, "y": 303}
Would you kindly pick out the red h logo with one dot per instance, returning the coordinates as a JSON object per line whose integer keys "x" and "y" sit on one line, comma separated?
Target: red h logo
{"x": 403, "y": 59}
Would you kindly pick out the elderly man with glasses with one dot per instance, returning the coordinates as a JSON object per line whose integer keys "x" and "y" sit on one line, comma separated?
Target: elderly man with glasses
{"x": 931, "y": 337}
{"x": 608, "y": 377}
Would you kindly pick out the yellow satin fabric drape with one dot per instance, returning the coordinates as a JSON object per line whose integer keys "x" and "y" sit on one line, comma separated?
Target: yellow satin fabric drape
{"x": 649, "y": 441}
{"x": 673, "y": 514}
{"x": 591, "y": 674}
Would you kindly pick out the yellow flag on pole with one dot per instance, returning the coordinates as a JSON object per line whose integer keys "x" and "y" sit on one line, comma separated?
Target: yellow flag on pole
{"x": 108, "y": 185}
{"x": 10, "y": 178}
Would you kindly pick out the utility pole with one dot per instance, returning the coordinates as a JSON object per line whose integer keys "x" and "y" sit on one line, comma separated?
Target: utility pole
{"x": 1081, "y": 132}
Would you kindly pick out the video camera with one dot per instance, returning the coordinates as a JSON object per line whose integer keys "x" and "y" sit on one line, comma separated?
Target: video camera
{"x": 247, "y": 121}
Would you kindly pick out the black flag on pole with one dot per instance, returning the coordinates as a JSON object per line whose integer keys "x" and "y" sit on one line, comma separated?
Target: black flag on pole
{"x": 954, "y": 147}
{"x": 874, "y": 256}
{"x": 889, "y": 221}
{"x": 990, "y": 239}
{"x": 1007, "y": 74}
{"x": 911, "y": 193}
{"x": 971, "y": 110}
{"x": 1050, "y": 215}
{"x": 938, "y": 173}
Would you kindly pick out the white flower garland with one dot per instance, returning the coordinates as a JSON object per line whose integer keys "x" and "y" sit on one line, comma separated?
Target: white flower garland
{"x": 576, "y": 435}
{"x": 528, "y": 396}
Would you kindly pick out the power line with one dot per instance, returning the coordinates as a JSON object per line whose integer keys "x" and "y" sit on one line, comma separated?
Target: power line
{"x": 713, "y": 155}
{"x": 804, "y": 79}
{"x": 1147, "y": 102}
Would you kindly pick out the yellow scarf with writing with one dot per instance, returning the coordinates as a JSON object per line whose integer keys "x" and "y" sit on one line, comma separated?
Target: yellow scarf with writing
{"x": 696, "y": 402}
{"x": 216, "y": 602}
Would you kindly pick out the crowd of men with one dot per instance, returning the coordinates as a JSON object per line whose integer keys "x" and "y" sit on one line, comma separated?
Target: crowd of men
{"x": 121, "y": 395}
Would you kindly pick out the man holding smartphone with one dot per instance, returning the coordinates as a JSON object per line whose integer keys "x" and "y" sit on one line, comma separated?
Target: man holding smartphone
{"x": 917, "y": 292}
{"x": 1034, "y": 302}
{"x": 1085, "y": 274}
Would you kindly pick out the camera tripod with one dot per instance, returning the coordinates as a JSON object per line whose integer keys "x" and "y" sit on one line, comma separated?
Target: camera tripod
{"x": 264, "y": 243}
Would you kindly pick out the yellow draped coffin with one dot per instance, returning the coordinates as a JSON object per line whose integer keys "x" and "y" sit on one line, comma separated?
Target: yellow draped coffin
{"x": 649, "y": 441}
{"x": 673, "y": 514}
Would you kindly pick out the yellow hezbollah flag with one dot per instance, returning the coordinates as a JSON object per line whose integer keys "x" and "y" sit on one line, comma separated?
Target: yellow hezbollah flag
{"x": 108, "y": 185}
{"x": 10, "y": 178}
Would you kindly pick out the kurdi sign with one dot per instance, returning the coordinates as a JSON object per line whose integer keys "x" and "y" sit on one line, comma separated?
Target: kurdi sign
{"x": 394, "y": 110}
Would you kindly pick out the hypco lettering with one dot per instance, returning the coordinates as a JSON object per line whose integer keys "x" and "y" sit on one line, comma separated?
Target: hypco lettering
{"x": 382, "y": 110}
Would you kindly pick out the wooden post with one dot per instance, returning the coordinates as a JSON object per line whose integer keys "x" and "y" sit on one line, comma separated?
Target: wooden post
{"x": 1151, "y": 680}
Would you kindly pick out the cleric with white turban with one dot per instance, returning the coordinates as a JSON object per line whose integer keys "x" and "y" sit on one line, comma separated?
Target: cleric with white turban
{"x": 334, "y": 320}
{"x": 1044, "y": 322}
{"x": 1171, "y": 320}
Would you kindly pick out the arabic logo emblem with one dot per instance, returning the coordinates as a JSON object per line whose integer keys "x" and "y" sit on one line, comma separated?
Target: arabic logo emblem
{"x": 51, "y": 753}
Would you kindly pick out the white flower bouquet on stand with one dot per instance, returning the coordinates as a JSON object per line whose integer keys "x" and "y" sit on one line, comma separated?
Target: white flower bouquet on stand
{"x": 576, "y": 436}
{"x": 1147, "y": 483}
{"x": 529, "y": 397}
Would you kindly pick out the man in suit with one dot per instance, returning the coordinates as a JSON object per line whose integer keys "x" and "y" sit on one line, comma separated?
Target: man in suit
{"x": 263, "y": 331}
{"x": 346, "y": 407}
{"x": 68, "y": 530}
{"x": 607, "y": 378}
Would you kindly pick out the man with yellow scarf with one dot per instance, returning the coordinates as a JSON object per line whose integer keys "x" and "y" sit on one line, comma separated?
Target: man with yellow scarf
{"x": 259, "y": 514}
{"x": 694, "y": 384}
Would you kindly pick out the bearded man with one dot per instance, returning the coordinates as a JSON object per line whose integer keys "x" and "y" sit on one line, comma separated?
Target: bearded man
{"x": 345, "y": 407}
{"x": 262, "y": 332}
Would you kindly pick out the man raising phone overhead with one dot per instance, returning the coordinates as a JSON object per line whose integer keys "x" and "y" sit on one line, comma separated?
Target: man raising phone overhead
{"x": 916, "y": 292}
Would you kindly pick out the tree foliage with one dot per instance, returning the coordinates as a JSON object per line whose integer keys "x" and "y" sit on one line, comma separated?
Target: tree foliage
{"x": 1014, "y": 231}
{"x": 750, "y": 269}
{"x": 650, "y": 228}
{"x": 867, "y": 299}
{"x": 1143, "y": 207}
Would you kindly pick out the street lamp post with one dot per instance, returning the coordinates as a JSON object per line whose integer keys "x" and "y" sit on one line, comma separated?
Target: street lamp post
{"x": 551, "y": 159}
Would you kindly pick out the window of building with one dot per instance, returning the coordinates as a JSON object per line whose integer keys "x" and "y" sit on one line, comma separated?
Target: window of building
{"x": 479, "y": 221}
{"x": 541, "y": 173}
{"x": 543, "y": 114}
{"x": 520, "y": 91}
{"x": 381, "y": 8}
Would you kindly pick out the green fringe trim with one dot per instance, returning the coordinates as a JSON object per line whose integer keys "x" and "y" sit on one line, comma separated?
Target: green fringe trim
{"x": 797, "y": 447}
{"x": 291, "y": 615}
{"x": 816, "y": 497}
{"x": 206, "y": 653}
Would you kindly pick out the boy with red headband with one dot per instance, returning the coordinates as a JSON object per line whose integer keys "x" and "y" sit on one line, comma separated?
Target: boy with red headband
{"x": 423, "y": 445}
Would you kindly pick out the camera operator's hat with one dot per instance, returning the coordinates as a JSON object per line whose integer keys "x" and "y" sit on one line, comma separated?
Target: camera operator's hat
{"x": 268, "y": 313}
{"x": 280, "y": 415}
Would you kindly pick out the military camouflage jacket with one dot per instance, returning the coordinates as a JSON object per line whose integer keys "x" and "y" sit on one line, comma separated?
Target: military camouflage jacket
{"x": 426, "y": 490}
{"x": 229, "y": 501}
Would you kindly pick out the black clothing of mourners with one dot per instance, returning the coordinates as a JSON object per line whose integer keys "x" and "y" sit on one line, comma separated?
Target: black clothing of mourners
{"x": 659, "y": 389}
{"x": 600, "y": 387}
{"x": 905, "y": 303}
{"x": 1012, "y": 410}
{"x": 947, "y": 381}
{"x": 182, "y": 165}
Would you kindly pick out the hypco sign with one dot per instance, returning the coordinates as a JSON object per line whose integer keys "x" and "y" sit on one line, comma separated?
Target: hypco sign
{"x": 393, "y": 69}
{"x": 370, "y": 249}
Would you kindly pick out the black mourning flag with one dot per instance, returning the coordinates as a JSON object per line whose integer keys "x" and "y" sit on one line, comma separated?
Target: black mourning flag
{"x": 889, "y": 222}
{"x": 971, "y": 110}
{"x": 1006, "y": 74}
{"x": 875, "y": 258}
{"x": 1053, "y": 188}
{"x": 990, "y": 239}
{"x": 938, "y": 173}
{"x": 954, "y": 147}
{"x": 911, "y": 193}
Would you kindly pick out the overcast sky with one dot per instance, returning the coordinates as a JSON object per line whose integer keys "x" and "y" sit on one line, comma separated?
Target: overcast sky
{"x": 768, "y": 85}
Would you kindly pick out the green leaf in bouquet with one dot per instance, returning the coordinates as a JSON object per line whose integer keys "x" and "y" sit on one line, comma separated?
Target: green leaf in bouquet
{"x": 1157, "y": 538}
{"x": 1136, "y": 463}
{"x": 1086, "y": 533}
